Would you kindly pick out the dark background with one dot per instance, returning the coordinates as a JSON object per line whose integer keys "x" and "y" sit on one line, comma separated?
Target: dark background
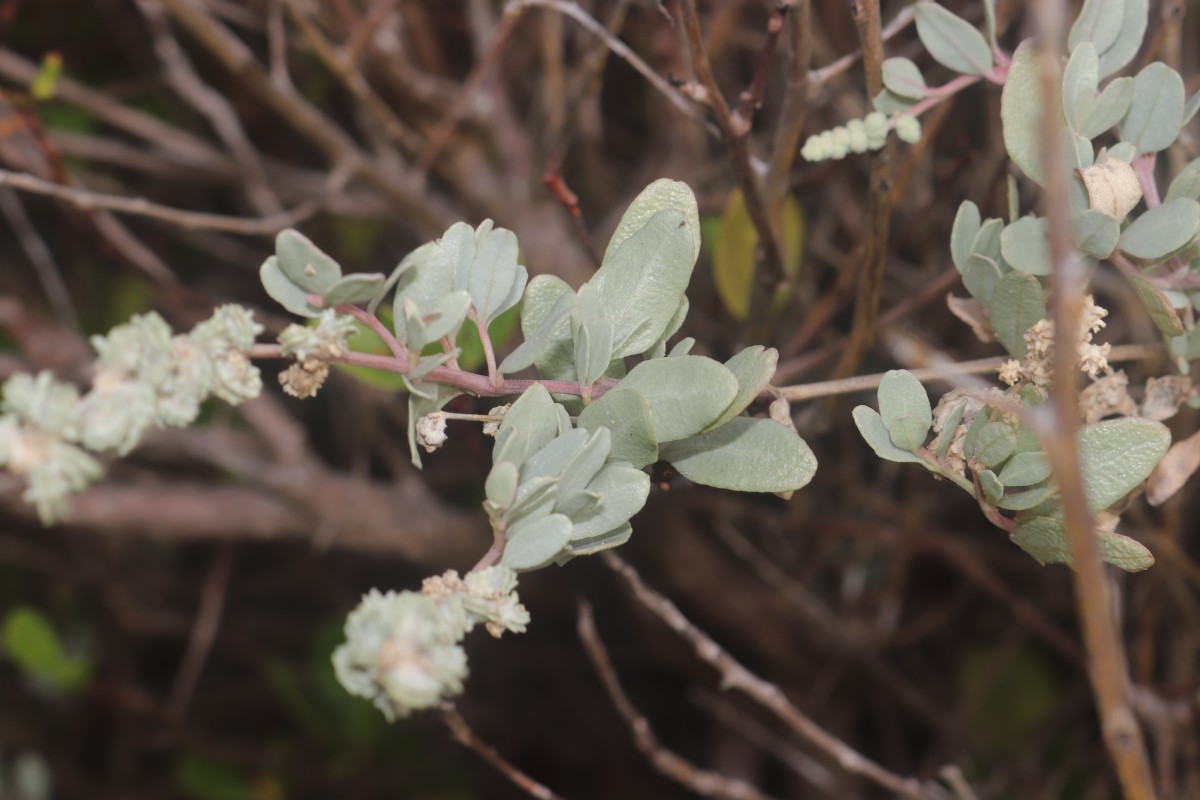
{"x": 205, "y": 580}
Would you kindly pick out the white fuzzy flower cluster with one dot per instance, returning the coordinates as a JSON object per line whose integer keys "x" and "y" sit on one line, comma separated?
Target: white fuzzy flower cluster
{"x": 402, "y": 649}
{"x": 1037, "y": 368}
{"x": 314, "y": 348}
{"x": 144, "y": 377}
{"x": 859, "y": 136}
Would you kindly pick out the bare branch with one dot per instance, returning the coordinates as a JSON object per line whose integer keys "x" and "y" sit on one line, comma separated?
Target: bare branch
{"x": 463, "y": 734}
{"x": 736, "y": 677}
{"x": 701, "y": 781}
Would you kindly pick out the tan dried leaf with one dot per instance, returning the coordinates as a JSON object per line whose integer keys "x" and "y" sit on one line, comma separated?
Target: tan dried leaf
{"x": 1164, "y": 396}
{"x": 1180, "y": 462}
{"x": 971, "y": 312}
{"x": 1112, "y": 186}
{"x": 1107, "y": 397}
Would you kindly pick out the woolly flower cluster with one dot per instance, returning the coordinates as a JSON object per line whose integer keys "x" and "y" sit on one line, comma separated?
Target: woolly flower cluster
{"x": 402, "y": 649}
{"x": 144, "y": 377}
{"x": 1037, "y": 367}
{"x": 314, "y": 348}
{"x": 859, "y": 136}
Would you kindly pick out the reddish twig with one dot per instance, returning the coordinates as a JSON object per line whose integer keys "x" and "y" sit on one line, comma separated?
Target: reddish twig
{"x": 553, "y": 180}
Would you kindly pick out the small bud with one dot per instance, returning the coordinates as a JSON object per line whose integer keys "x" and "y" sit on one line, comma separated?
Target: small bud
{"x": 875, "y": 125}
{"x": 839, "y": 139}
{"x": 857, "y": 131}
{"x": 908, "y": 128}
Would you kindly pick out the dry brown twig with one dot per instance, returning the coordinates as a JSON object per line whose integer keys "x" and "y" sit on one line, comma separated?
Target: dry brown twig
{"x": 701, "y": 781}
{"x": 735, "y": 127}
{"x": 735, "y": 677}
{"x": 1107, "y": 661}
{"x": 463, "y": 734}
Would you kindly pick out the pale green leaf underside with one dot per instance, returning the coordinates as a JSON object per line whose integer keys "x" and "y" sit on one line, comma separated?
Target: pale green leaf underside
{"x": 745, "y": 455}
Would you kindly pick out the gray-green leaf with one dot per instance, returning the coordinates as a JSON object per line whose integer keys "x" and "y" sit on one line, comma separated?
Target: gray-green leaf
{"x": 1045, "y": 538}
{"x": 980, "y": 277}
{"x": 1162, "y": 230}
{"x": 1158, "y": 306}
{"x": 962, "y": 236}
{"x": 1021, "y": 111}
{"x": 661, "y": 195}
{"x": 904, "y": 408}
{"x": 952, "y": 41}
{"x": 353, "y": 289}
{"x": 1099, "y": 22}
{"x": 1156, "y": 111}
{"x": 1017, "y": 303}
{"x": 871, "y": 426}
{"x": 1023, "y": 245}
{"x": 529, "y": 424}
{"x": 1117, "y": 455}
{"x": 1186, "y": 183}
{"x": 995, "y": 443}
{"x": 626, "y": 414}
{"x": 745, "y": 455}
{"x": 901, "y": 76}
{"x": 1095, "y": 233}
{"x": 533, "y": 544}
{"x": 1129, "y": 37}
{"x": 1025, "y": 469}
{"x": 752, "y": 368}
{"x": 304, "y": 263}
{"x": 1099, "y": 114}
{"x": 622, "y": 490}
{"x": 283, "y": 291}
{"x": 685, "y": 394}
{"x": 642, "y": 281}
{"x": 1080, "y": 80}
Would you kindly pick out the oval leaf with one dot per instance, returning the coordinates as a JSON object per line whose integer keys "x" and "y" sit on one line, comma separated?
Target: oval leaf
{"x": 304, "y": 263}
{"x": 1155, "y": 113}
{"x": 904, "y": 408}
{"x": 283, "y": 291}
{"x": 1025, "y": 469}
{"x": 1158, "y": 306}
{"x": 642, "y": 281}
{"x": 661, "y": 195}
{"x": 1017, "y": 303}
{"x": 1117, "y": 455}
{"x": 1099, "y": 22}
{"x": 962, "y": 236}
{"x": 686, "y": 394}
{"x": 1024, "y": 246}
{"x": 902, "y": 77}
{"x": 1021, "y": 111}
{"x": 871, "y": 426}
{"x": 1162, "y": 230}
{"x": 745, "y": 455}
{"x": 533, "y": 544}
{"x": 952, "y": 41}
